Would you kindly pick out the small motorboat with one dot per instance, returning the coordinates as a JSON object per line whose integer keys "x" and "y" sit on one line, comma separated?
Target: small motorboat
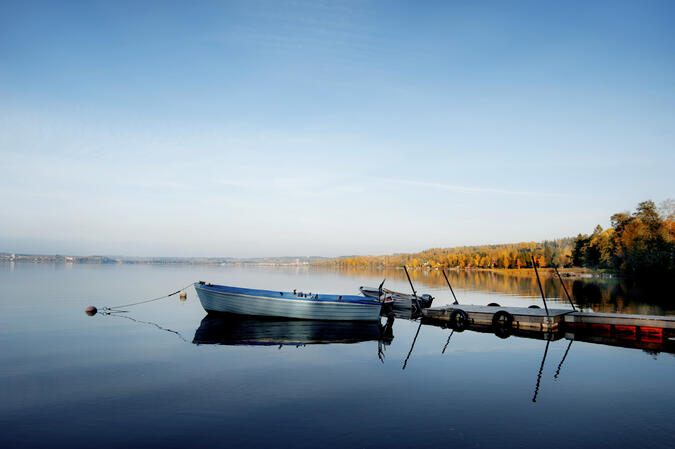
{"x": 295, "y": 304}
{"x": 400, "y": 300}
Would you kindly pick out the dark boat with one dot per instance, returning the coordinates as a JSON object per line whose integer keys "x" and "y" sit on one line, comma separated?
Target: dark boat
{"x": 400, "y": 300}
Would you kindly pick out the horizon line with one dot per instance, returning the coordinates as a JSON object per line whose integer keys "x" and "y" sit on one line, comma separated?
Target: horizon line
{"x": 121, "y": 256}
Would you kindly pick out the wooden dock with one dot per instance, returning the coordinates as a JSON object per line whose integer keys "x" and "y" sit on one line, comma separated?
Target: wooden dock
{"x": 579, "y": 319}
{"x": 556, "y": 319}
{"x": 647, "y": 332}
{"x": 522, "y": 317}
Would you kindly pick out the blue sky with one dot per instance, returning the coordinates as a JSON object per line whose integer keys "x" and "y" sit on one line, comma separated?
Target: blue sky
{"x": 328, "y": 128}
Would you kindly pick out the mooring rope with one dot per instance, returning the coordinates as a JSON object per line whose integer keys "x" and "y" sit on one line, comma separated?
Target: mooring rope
{"x": 117, "y": 309}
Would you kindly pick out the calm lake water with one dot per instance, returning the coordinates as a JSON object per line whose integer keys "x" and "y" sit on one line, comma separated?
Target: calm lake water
{"x": 164, "y": 376}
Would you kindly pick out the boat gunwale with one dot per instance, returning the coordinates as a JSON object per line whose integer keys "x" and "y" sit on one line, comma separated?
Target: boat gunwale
{"x": 277, "y": 295}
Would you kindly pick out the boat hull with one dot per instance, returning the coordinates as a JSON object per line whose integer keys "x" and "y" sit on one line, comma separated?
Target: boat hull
{"x": 287, "y": 305}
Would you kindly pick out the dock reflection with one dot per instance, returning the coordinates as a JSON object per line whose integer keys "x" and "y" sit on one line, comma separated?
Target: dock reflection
{"x": 223, "y": 329}
{"x": 653, "y": 342}
{"x": 647, "y": 342}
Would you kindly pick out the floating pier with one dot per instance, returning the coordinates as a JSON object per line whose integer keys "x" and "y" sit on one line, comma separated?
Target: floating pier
{"x": 584, "y": 319}
{"x": 631, "y": 329}
{"x": 514, "y": 317}
{"x": 648, "y": 332}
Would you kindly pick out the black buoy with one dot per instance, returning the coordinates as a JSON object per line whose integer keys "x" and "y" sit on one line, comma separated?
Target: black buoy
{"x": 91, "y": 310}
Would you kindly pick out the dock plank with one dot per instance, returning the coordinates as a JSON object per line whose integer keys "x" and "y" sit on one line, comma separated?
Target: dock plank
{"x": 663, "y": 322}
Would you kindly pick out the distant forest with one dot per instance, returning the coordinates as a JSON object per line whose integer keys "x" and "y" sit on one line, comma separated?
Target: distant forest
{"x": 641, "y": 244}
{"x": 637, "y": 244}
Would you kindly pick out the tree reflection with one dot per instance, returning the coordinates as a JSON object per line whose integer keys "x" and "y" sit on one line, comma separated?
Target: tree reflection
{"x": 602, "y": 294}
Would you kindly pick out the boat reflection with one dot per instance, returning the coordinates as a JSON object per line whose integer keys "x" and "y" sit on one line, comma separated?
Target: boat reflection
{"x": 224, "y": 329}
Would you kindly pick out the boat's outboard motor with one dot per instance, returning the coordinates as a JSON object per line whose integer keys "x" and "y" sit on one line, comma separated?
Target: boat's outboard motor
{"x": 426, "y": 300}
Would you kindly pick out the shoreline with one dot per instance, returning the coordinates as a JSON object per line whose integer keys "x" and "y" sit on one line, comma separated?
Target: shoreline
{"x": 567, "y": 272}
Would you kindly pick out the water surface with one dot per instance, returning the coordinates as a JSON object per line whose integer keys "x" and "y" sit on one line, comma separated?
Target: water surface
{"x": 165, "y": 375}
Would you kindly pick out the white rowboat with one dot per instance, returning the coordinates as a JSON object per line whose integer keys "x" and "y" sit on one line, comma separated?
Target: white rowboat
{"x": 246, "y": 301}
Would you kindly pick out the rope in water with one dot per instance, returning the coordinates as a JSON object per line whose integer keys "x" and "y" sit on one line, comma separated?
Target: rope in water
{"x": 153, "y": 324}
{"x": 117, "y": 309}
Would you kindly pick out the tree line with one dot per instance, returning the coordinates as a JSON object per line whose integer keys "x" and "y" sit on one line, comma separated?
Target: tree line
{"x": 512, "y": 255}
{"x": 637, "y": 244}
{"x": 641, "y": 244}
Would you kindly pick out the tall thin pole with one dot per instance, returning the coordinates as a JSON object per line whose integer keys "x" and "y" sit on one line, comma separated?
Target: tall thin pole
{"x": 451, "y": 290}
{"x": 543, "y": 297}
{"x": 417, "y": 303}
{"x": 564, "y": 288}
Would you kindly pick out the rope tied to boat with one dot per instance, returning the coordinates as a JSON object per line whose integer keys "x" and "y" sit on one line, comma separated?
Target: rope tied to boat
{"x": 91, "y": 310}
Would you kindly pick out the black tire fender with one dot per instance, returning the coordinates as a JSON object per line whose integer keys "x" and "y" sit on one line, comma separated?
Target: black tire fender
{"x": 459, "y": 320}
{"x": 502, "y": 319}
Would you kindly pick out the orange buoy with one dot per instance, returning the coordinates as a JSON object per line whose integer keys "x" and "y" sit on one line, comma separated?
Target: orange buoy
{"x": 91, "y": 310}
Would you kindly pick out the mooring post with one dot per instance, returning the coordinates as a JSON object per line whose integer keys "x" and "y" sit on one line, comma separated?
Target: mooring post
{"x": 451, "y": 290}
{"x": 543, "y": 297}
{"x": 564, "y": 288}
{"x": 417, "y": 303}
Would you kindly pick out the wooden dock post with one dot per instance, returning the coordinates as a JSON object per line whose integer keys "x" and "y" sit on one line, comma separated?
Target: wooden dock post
{"x": 565, "y": 289}
{"x": 451, "y": 290}
{"x": 543, "y": 297}
{"x": 417, "y": 303}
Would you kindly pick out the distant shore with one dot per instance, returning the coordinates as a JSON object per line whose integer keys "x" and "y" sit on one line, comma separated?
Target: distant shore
{"x": 289, "y": 261}
{"x": 57, "y": 258}
{"x": 527, "y": 271}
